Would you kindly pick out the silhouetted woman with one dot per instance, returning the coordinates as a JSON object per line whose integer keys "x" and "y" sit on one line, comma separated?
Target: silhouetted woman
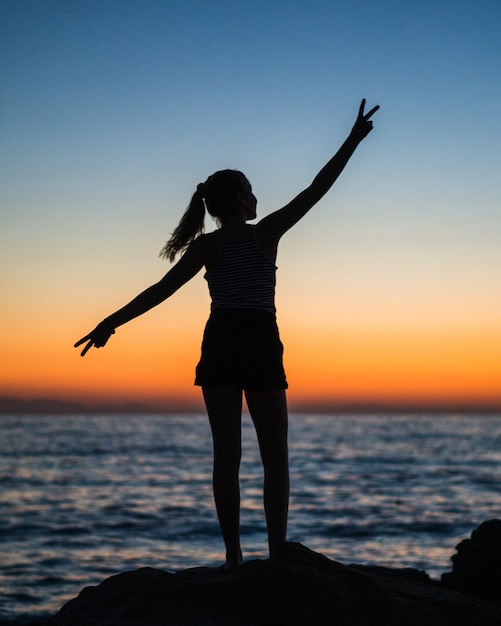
{"x": 241, "y": 348}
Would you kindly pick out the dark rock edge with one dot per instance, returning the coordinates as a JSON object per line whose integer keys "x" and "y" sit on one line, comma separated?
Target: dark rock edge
{"x": 301, "y": 587}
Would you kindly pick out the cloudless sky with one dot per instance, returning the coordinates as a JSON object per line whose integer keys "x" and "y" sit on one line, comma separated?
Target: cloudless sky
{"x": 111, "y": 113}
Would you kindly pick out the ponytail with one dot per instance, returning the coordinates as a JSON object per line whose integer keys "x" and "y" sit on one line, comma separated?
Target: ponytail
{"x": 217, "y": 195}
{"x": 190, "y": 226}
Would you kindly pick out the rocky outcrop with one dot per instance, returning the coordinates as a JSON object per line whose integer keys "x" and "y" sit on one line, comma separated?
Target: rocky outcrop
{"x": 301, "y": 588}
{"x": 476, "y": 567}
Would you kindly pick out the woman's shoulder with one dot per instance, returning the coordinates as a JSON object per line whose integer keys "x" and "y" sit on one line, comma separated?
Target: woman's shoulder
{"x": 267, "y": 239}
{"x": 209, "y": 240}
{"x": 209, "y": 245}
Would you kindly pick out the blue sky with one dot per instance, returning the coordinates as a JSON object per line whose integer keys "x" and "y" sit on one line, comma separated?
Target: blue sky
{"x": 113, "y": 111}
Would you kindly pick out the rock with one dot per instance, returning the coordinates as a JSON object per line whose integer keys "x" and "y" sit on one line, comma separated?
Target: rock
{"x": 301, "y": 588}
{"x": 476, "y": 568}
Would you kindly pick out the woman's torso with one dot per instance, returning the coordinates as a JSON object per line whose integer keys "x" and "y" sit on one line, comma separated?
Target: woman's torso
{"x": 239, "y": 272}
{"x": 214, "y": 243}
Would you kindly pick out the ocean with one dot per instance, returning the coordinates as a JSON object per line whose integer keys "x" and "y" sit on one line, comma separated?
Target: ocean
{"x": 83, "y": 497}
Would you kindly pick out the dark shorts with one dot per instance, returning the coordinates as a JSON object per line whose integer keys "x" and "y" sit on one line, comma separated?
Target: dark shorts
{"x": 242, "y": 348}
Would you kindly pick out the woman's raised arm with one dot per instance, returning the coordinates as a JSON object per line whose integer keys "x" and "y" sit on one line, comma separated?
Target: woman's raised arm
{"x": 277, "y": 223}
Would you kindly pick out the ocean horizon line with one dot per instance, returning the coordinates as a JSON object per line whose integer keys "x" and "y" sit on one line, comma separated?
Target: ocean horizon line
{"x": 57, "y": 406}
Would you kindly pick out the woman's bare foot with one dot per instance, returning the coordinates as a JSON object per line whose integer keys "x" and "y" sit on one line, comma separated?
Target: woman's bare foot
{"x": 232, "y": 563}
{"x": 276, "y": 549}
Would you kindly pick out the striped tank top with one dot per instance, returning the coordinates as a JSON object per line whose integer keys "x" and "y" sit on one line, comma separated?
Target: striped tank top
{"x": 243, "y": 278}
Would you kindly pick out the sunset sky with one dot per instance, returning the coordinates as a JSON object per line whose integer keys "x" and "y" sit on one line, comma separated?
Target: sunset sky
{"x": 112, "y": 111}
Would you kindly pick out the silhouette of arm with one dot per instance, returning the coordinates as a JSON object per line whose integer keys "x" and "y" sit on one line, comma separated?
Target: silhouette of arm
{"x": 188, "y": 265}
{"x": 277, "y": 223}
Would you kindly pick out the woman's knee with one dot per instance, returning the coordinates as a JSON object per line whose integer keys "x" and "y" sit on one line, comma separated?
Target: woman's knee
{"x": 229, "y": 458}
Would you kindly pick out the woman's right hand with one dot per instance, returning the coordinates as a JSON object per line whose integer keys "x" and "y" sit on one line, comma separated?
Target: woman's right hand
{"x": 97, "y": 338}
{"x": 363, "y": 123}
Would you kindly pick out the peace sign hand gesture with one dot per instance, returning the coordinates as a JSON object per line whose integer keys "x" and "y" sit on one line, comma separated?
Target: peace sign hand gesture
{"x": 97, "y": 338}
{"x": 363, "y": 124}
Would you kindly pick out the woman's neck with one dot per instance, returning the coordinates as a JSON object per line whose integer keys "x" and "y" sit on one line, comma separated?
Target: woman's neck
{"x": 235, "y": 229}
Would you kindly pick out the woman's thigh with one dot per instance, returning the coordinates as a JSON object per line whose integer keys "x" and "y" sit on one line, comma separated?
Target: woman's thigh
{"x": 268, "y": 409}
{"x": 224, "y": 408}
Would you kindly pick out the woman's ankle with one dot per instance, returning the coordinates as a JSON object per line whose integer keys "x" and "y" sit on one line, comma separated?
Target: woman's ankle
{"x": 233, "y": 561}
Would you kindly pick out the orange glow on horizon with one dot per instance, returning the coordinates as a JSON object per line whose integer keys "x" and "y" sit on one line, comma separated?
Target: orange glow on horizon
{"x": 393, "y": 368}
{"x": 151, "y": 363}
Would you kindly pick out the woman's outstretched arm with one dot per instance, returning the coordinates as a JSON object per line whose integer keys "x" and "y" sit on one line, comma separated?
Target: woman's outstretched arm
{"x": 280, "y": 221}
{"x": 187, "y": 266}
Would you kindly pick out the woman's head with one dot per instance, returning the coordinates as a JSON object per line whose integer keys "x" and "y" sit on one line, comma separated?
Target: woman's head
{"x": 224, "y": 193}
{"x": 221, "y": 192}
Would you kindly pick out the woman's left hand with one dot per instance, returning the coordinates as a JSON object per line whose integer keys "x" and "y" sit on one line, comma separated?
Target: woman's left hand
{"x": 97, "y": 338}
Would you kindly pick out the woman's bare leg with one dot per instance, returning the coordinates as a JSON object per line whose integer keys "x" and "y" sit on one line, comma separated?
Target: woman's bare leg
{"x": 268, "y": 410}
{"x": 224, "y": 407}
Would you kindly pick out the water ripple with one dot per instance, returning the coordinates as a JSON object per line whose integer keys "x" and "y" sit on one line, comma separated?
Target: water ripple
{"x": 84, "y": 497}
